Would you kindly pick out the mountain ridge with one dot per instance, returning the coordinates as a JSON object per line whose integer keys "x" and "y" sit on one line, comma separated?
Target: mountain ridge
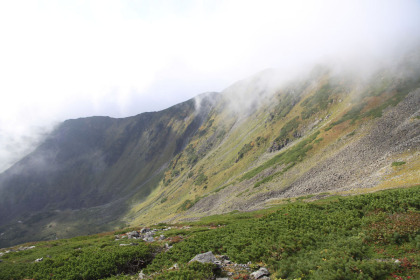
{"x": 257, "y": 142}
{"x": 89, "y": 157}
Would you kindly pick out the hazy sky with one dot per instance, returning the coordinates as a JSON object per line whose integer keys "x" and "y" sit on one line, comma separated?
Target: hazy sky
{"x": 70, "y": 59}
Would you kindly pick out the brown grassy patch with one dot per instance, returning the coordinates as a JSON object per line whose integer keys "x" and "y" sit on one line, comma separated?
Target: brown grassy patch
{"x": 375, "y": 101}
{"x": 174, "y": 239}
{"x": 395, "y": 227}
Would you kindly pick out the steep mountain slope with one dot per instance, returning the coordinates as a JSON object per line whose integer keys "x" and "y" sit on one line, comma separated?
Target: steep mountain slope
{"x": 320, "y": 134}
{"x": 79, "y": 179}
{"x": 262, "y": 140}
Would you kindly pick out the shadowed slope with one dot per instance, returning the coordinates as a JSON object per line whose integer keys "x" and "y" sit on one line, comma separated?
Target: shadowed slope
{"x": 94, "y": 162}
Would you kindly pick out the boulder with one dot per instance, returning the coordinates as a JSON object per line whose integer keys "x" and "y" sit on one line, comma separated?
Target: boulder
{"x": 25, "y": 248}
{"x": 132, "y": 234}
{"x": 142, "y": 275}
{"x": 175, "y": 266}
{"x": 207, "y": 257}
{"x": 259, "y": 274}
{"x": 149, "y": 239}
{"x": 144, "y": 230}
{"x": 223, "y": 257}
{"x": 149, "y": 234}
{"x": 131, "y": 244}
{"x": 167, "y": 247}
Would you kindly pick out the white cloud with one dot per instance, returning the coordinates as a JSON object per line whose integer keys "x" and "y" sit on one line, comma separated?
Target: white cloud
{"x": 69, "y": 59}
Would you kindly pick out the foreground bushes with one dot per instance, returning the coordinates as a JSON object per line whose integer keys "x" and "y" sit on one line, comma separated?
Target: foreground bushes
{"x": 348, "y": 238}
{"x": 92, "y": 262}
{"x": 372, "y": 236}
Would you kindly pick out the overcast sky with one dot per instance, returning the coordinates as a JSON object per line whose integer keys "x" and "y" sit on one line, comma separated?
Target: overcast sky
{"x": 70, "y": 59}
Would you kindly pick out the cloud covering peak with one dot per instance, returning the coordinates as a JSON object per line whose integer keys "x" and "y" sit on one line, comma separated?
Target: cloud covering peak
{"x": 69, "y": 59}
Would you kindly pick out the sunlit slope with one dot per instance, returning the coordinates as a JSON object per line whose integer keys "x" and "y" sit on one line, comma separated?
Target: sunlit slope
{"x": 321, "y": 133}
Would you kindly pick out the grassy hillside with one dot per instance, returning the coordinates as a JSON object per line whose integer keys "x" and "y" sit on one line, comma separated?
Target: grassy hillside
{"x": 370, "y": 236}
{"x": 322, "y": 133}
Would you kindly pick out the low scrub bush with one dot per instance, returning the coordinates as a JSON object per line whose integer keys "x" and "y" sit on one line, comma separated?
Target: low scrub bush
{"x": 356, "y": 237}
{"x": 398, "y": 163}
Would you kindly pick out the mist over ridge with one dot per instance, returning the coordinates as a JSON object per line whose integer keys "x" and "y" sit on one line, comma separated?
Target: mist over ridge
{"x": 121, "y": 59}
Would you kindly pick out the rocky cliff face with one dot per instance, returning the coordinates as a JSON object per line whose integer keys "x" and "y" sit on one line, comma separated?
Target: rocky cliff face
{"x": 254, "y": 144}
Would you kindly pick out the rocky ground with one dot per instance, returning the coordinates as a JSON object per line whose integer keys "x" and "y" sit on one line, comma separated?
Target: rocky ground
{"x": 228, "y": 269}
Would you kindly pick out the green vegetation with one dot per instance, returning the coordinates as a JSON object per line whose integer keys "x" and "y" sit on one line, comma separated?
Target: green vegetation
{"x": 351, "y": 133}
{"x": 318, "y": 140}
{"x": 317, "y": 102}
{"x": 175, "y": 173}
{"x": 259, "y": 141}
{"x": 191, "y": 155}
{"x": 90, "y": 257}
{"x": 378, "y": 86}
{"x": 201, "y": 179}
{"x": 245, "y": 149}
{"x": 290, "y": 157}
{"x": 285, "y": 104}
{"x": 222, "y": 187}
{"x": 356, "y": 237}
{"x": 167, "y": 182}
{"x": 192, "y": 271}
{"x": 353, "y": 114}
{"x": 272, "y": 176}
{"x": 402, "y": 90}
{"x": 187, "y": 204}
{"x": 398, "y": 163}
{"x": 346, "y": 238}
{"x": 287, "y": 128}
{"x": 394, "y": 100}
